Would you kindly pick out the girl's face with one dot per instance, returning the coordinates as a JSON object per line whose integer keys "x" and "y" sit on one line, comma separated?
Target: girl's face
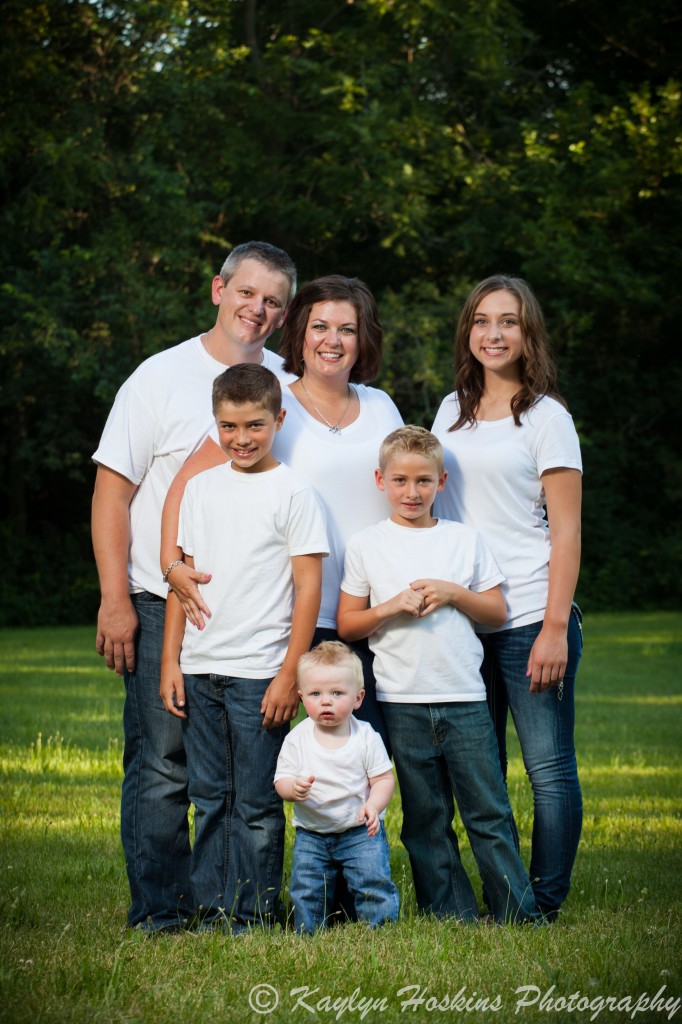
{"x": 496, "y": 339}
{"x": 330, "y": 347}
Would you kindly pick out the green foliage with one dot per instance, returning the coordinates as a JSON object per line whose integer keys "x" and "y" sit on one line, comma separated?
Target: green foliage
{"x": 420, "y": 144}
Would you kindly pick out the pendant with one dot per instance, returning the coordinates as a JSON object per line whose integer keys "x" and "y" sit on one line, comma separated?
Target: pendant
{"x": 334, "y": 430}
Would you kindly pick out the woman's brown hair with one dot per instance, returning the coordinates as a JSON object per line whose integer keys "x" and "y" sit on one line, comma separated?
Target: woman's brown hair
{"x": 335, "y": 288}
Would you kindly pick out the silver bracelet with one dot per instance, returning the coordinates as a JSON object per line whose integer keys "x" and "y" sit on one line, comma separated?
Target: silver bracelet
{"x": 170, "y": 569}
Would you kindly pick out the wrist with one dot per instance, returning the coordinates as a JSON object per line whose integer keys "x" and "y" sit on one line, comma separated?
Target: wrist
{"x": 166, "y": 573}
{"x": 555, "y": 623}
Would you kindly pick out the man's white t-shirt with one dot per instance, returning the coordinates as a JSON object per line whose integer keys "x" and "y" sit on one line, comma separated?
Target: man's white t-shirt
{"x": 341, "y": 774}
{"x": 341, "y": 469}
{"x": 161, "y": 414}
{"x": 494, "y": 485}
{"x": 437, "y": 657}
{"x": 247, "y": 527}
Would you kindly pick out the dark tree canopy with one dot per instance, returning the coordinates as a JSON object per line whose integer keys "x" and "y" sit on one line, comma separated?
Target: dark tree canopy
{"x": 420, "y": 144}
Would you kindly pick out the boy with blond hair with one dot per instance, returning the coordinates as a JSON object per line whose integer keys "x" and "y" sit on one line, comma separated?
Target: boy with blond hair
{"x": 233, "y": 683}
{"x": 412, "y": 585}
{"x": 336, "y": 771}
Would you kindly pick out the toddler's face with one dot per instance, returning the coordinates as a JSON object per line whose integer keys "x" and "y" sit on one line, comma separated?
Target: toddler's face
{"x": 330, "y": 694}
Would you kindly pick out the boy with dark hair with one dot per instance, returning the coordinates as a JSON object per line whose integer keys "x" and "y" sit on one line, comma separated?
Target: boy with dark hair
{"x": 263, "y": 531}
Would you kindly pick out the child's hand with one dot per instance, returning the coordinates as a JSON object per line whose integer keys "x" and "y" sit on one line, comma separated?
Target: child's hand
{"x": 300, "y": 788}
{"x": 370, "y": 816}
{"x": 406, "y": 601}
{"x": 172, "y": 690}
{"x": 434, "y": 594}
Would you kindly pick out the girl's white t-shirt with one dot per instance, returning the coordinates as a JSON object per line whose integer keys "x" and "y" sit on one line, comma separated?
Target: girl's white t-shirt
{"x": 494, "y": 470}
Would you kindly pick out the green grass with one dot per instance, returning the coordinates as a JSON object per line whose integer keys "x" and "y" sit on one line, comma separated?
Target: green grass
{"x": 65, "y": 954}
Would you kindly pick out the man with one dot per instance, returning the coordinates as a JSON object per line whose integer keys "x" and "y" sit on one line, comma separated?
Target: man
{"x": 160, "y": 416}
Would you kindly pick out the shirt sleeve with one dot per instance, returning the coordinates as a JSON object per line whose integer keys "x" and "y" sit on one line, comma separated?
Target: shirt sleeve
{"x": 377, "y": 759}
{"x": 487, "y": 573}
{"x": 354, "y": 580}
{"x": 307, "y": 524}
{"x": 557, "y": 445}
{"x": 128, "y": 442}
{"x": 287, "y": 761}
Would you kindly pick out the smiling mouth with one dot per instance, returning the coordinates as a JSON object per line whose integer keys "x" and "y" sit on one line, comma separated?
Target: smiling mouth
{"x": 244, "y": 453}
{"x": 495, "y": 351}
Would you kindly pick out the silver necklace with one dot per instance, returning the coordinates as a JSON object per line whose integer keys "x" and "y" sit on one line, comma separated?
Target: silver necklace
{"x": 334, "y": 428}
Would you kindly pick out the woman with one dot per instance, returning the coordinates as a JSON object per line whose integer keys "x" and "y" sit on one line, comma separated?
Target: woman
{"x": 511, "y": 448}
{"x": 332, "y": 341}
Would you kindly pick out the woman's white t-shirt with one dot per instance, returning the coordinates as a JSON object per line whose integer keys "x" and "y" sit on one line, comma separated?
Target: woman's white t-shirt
{"x": 341, "y": 469}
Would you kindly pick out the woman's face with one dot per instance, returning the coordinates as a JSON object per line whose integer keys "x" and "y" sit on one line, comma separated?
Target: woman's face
{"x": 330, "y": 346}
{"x": 496, "y": 338}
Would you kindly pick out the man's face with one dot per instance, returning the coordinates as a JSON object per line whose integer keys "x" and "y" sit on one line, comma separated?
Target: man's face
{"x": 252, "y": 304}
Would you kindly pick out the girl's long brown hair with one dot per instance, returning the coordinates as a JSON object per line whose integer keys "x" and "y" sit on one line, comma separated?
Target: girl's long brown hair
{"x": 537, "y": 366}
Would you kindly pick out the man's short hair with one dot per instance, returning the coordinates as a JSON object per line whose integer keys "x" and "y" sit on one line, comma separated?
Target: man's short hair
{"x": 248, "y": 382}
{"x": 332, "y": 652}
{"x": 411, "y": 440}
{"x": 269, "y": 255}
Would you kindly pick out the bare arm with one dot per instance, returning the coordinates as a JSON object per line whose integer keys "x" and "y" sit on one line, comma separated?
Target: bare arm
{"x": 117, "y": 621}
{"x": 548, "y": 656}
{"x": 355, "y": 619}
{"x": 280, "y": 701}
{"x": 183, "y": 580}
{"x": 172, "y": 685}
{"x": 488, "y": 607}
{"x": 381, "y": 791}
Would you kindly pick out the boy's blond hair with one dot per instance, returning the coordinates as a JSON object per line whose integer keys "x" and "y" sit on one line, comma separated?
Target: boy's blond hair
{"x": 411, "y": 440}
{"x": 332, "y": 652}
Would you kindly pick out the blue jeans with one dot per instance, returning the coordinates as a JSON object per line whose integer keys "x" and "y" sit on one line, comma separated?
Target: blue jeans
{"x": 361, "y": 859}
{"x": 238, "y": 848}
{"x": 443, "y": 750}
{"x": 154, "y": 801}
{"x": 544, "y": 723}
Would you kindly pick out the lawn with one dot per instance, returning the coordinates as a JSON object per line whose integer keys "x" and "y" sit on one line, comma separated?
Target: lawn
{"x": 613, "y": 956}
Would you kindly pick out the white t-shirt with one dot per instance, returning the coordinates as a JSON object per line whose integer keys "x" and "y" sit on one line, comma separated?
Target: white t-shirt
{"x": 494, "y": 485}
{"x": 341, "y": 774}
{"x": 341, "y": 469}
{"x": 247, "y": 527}
{"x": 161, "y": 414}
{"x": 438, "y": 657}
